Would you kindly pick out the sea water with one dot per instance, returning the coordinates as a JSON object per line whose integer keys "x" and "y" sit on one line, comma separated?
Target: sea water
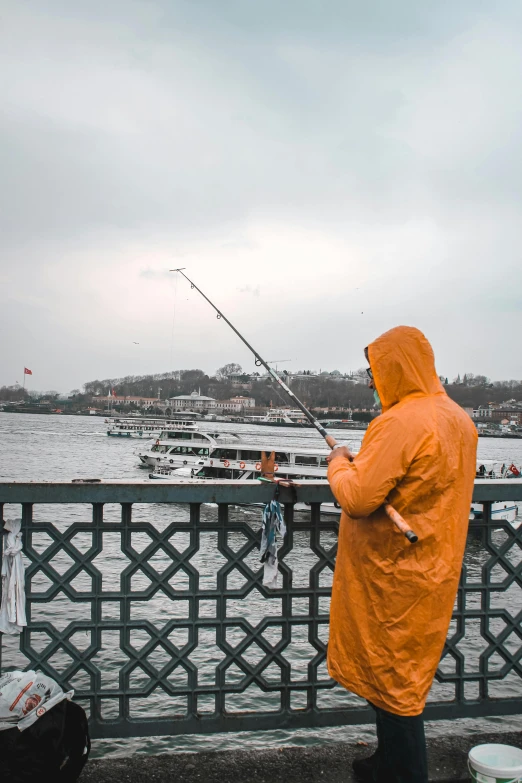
{"x": 53, "y": 448}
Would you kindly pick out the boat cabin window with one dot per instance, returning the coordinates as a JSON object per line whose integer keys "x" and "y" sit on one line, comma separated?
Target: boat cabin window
{"x": 179, "y": 435}
{"x": 160, "y": 449}
{"x": 300, "y": 459}
{"x": 323, "y": 462}
{"x": 280, "y": 457}
{"x": 254, "y": 456}
{"x": 225, "y": 453}
{"x": 188, "y": 450}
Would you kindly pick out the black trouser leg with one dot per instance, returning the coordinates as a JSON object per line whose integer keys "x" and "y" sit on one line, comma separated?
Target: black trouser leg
{"x": 401, "y": 756}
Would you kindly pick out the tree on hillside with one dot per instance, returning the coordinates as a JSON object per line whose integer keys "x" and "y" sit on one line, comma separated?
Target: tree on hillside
{"x": 44, "y": 395}
{"x": 327, "y": 390}
{"x": 227, "y": 370}
{"x": 469, "y": 379}
{"x": 13, "y": 393}
{"x": 193, "y": 377}
{"x": 361, "y": 376}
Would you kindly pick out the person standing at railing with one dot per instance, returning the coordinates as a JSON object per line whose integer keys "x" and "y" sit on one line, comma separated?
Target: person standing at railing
{"x": 392, "y": 601}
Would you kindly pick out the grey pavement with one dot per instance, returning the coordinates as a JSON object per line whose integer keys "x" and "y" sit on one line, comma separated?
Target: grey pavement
{"x": 332, "y": 763}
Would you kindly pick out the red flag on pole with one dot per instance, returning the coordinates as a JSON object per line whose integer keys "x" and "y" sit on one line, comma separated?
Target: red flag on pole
{"x": 27, "y": 372}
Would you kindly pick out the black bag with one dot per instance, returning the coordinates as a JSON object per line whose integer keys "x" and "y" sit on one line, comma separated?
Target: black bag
{"x": 54, "y": 748}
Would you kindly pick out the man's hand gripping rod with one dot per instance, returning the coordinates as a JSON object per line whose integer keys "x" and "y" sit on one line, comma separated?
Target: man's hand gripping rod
{"x": 391, "y": 513}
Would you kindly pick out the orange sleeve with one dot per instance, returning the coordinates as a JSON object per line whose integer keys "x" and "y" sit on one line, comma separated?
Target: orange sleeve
{"x": 361, "y": 486}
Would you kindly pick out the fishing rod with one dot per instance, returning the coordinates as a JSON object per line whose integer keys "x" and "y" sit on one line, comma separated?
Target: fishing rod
{"x": 392, "y": 514}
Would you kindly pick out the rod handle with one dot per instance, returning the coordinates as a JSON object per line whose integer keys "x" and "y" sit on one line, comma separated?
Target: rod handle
{"x": 330, "y": 440}
{"x": 400, "y": 523}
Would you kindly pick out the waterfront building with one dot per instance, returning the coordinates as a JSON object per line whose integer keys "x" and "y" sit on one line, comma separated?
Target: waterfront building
{"x": 125, "y": 400}
{"x": 246, "y": 402}
{"x": 235, "y": 404}
{"x": 192, "y": 402}
{"x": 498, "y": 413}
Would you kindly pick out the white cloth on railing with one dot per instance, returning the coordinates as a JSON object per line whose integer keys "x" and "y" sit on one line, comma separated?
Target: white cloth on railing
{"x": 12, "y": 608}
{"x": 26, "y": 696}
{"x": 273, "y": 525}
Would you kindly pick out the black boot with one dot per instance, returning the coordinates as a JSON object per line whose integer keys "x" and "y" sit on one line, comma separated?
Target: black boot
{"x": 364, "y": 769}
{"x": 402, "y": 749}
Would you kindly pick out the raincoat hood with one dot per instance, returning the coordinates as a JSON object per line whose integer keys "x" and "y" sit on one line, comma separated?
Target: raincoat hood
{"x": 403, "y": 365}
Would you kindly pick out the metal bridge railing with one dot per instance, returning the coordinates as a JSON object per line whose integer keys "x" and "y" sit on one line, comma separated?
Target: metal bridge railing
{"x": 147, "y": 599}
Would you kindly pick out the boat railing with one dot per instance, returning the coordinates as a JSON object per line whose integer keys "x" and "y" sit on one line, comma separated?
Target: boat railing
{"x": 252, "y": 463}
{"x": 147, "y": 599}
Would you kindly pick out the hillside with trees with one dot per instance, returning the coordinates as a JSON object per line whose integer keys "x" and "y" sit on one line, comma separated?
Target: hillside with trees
{"x": 316, "y": 390}
{"x": 327, "y": 389}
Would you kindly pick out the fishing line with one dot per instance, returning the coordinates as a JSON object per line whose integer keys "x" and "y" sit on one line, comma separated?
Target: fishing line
{"x": 390, "y": 512}
{"x": 174, "y": 307}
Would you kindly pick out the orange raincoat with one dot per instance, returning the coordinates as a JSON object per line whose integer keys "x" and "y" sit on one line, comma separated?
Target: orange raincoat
{"x": 392, "y": 601}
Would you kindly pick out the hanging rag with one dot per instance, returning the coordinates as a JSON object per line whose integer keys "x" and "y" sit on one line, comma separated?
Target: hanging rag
{"x": 12, "y": 608}
{"x": 273, "y": 524}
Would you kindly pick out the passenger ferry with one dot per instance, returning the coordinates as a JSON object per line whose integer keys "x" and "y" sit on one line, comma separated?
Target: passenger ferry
{"x": 143, "y": 428}
{"x": 193, "y": 454}
{"x": 227, "y": 455}
{"x": 281, "y": 417}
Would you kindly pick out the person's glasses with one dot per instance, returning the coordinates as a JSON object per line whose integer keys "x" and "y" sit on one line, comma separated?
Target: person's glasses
{"x": 369, "y": 373}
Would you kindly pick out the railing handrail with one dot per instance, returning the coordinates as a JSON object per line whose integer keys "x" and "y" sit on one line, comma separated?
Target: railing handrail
{"x": 203, "y": 491}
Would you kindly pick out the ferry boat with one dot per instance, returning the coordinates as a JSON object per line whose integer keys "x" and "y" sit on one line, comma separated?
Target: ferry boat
{"x": 281, "y": 417}
{"x": 143, "y": 428}
{"x": 285, "y": 417}
{"x": 200, "y": 455}
{"x": 227, "y": 455}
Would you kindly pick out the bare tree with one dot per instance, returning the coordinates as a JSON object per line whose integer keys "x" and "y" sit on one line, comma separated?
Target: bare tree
{"x": 227, "y": 370}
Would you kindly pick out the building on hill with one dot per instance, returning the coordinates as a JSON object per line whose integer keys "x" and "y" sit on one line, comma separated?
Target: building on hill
{"x": 127, "y": 400}
{"x": 498, "y": 413}
{"x": 240, "y": 380}
{"x": 246, "y": 402}
{"x": 191, "y": 402}
{"x": 235, "y": 404}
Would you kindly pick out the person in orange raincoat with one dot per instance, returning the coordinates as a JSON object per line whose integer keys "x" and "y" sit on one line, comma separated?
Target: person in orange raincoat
{"x": 392, "y": 601}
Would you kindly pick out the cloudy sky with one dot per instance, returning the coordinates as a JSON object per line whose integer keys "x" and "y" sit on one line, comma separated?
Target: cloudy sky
{"x": 324, "y": 169}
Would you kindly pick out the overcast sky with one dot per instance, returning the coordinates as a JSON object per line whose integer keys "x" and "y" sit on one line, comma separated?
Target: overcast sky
{"x": 324, "y": 170}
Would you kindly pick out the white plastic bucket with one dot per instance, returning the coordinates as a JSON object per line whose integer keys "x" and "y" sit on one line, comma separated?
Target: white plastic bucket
{"x": 495, "y": 764}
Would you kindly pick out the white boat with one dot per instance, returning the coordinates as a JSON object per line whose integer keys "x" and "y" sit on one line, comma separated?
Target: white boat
{"x": 143, "y": 428}
{"x": 503, "y": 510}
{"x": 225, "y": 455}
{"x": 202, "y": 471}
{"x": 278, "y": 416}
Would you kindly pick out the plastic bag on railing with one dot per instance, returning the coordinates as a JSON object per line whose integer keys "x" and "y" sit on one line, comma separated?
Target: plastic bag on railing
{"x": 12, "y": 608}
{"x": 273, "y": 524}
{"x": 26, "y": 696}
